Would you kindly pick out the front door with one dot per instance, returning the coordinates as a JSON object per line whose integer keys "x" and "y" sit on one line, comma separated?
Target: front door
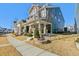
{"x": 48, "y": 27}
{"x": 27, "y": 29}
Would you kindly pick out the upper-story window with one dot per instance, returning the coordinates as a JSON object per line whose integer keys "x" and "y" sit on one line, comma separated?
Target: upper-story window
{"x": 33, "y": 11}
{"x": 59, "y": 20}
{"x": 43, "y": 13}
{"x": 55, "y": 17}
{"x": 60, "y": 13}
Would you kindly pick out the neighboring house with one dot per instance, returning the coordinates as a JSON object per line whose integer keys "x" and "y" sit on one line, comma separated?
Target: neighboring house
{"x": 9, "y": 30}
{"x": 47, "y": 19}
{"x": 3, "y": 30}
{"x": 71, "y": 29}
{"x": 19, "y": 26}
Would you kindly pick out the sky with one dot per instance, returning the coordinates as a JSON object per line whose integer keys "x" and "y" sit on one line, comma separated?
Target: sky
{"x": 13, "y": 11}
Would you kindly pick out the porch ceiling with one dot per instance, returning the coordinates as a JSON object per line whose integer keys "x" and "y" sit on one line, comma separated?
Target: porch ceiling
{"x": 37, "y": 22}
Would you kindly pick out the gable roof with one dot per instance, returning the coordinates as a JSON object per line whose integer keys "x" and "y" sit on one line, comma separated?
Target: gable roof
{"x": 33, "y": 7}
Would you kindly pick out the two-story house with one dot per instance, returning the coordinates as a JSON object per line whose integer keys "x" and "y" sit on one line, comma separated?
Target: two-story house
{"x": 46, "y": 18}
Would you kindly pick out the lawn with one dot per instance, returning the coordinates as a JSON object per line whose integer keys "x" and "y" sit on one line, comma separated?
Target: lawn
{"x": 19, "y": 37}
{"x": 9, "y": 51}
{"x": 60, "y": 44}
{"x": 3, "y": 40}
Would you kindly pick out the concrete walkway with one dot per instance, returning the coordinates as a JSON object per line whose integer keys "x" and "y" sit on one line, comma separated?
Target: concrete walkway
{"x": 27, "y": 49}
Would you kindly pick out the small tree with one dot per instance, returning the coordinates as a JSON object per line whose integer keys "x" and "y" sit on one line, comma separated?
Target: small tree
{"x": 36, "y": 33}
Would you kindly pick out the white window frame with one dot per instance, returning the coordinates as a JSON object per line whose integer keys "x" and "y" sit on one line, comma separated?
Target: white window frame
{"x": 43, "y": 13}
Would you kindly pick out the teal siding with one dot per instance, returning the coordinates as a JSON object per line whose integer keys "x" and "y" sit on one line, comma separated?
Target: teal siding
{"x": 56, "y": 15}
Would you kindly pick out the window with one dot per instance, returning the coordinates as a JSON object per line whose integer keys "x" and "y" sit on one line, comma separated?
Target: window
{"x": 60, "y": 13}
{"x": 55, "y": 17}
{"x": 33, "y": 11}
{"x": 59, "y": 20}
{"x": 43, "y": 13}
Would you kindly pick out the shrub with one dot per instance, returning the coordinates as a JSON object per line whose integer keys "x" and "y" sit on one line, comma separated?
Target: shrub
{"x": 77, "y": 40}
{"x": 25, "y": 34}
{"x": 36, "y": 33}
{"x": 46, "y": 42}
{"x": 14, "y": 33}
{"x": 29, "y": 34}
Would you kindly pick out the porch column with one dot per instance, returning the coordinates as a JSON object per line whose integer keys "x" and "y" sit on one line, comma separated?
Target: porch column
{"x": 33, "y": 32}
{"x": 19, "y": 29}
{"x": 45, "y": 29}
{"x": 24, "y": 30}
{"x": 39, "y": 27}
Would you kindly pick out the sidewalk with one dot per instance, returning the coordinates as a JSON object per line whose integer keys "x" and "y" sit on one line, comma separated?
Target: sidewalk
{"x": 27, "y": 49}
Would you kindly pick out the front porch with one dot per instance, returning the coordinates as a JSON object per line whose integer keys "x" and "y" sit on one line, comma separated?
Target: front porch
{"x": 44, "y": 27}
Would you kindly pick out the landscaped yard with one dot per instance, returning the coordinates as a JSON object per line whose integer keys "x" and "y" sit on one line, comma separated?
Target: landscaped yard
{"x": 60, "y": 44}
{"x": 9, "y": 51}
